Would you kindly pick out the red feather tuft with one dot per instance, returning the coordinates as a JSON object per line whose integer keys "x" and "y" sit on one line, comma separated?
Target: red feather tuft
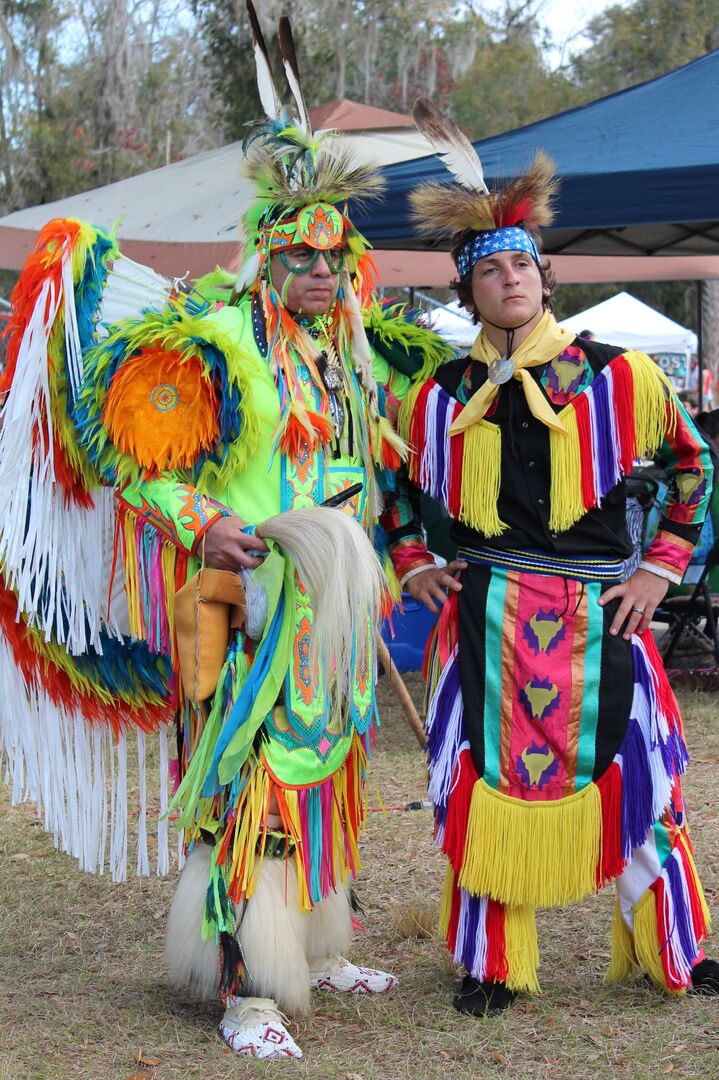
{"x": 511, "y": 214}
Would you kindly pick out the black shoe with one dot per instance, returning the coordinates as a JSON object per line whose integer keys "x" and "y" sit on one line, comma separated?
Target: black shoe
{"x": 483, "y": 999}
{"x": 705, "y": 978}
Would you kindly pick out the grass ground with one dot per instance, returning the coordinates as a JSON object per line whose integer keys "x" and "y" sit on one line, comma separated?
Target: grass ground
{"x": 83, "y": 991}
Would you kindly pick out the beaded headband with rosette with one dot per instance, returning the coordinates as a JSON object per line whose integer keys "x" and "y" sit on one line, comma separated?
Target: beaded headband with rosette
{"x": 503, "y": 219}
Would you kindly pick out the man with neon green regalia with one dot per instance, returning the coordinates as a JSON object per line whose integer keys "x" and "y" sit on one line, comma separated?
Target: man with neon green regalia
{"x": 271, "y": 794}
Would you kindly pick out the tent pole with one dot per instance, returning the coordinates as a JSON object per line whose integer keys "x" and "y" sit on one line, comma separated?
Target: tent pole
{"x": 700, "y": 351}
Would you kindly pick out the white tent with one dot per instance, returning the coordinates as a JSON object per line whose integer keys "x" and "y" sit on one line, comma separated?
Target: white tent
{"x": 454, "y": 324}
{"x": 625, "y": 321}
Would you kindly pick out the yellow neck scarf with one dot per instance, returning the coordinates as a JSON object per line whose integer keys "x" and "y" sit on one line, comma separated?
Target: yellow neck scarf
{"x": 546, "y": 341}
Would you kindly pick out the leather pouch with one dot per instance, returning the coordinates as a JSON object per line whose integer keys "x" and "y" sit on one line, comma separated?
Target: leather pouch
{"x": 207, "y": 608}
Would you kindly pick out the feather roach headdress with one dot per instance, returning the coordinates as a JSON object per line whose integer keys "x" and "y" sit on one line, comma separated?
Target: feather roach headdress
{"x": 294, "y": 168}
{"x": 467, "y": 205}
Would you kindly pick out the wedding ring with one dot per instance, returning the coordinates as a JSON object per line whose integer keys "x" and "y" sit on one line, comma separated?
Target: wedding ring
{"x": 639, "y": 610}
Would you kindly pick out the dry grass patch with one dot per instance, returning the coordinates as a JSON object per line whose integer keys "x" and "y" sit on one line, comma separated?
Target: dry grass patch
{"x": 83, "y": 990}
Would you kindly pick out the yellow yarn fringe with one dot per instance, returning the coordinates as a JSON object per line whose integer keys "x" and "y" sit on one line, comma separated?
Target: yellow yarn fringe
{"x": 404, "y": 416}
{"x": 541, "y": 854}
{"x": 481, "y": 469}
{"x": 646, "y": 942}
{"x": 623, "y": 964}
{"x": 445, "y": 904}
{"x": 652, "y": 392}
{"x": 522, "y": 949}
{"x": 565, "y": 493}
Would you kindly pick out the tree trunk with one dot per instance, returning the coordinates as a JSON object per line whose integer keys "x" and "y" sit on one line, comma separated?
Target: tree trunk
{"x": 710, "y": 335}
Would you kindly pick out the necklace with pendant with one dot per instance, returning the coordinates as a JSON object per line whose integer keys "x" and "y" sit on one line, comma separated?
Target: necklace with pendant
{"x": 332, "y": 377}
{"x": 500, "y": 370}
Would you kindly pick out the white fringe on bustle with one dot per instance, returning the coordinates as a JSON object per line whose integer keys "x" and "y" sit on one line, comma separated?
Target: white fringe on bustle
{"x": 51, "y": 550}
{"x": 76, "y": 774}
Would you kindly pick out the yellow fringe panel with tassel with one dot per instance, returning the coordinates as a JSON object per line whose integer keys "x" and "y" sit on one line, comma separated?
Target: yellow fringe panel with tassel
{"x": 646, "y": 942}
{"x": 623, "y": 964}
{"x": 522, "y": 949}
{"x": 481, "y": 470}
{"x": 541, "y": 854}
{"x": 652, "y": 392}
{"x": 565, "y": 493}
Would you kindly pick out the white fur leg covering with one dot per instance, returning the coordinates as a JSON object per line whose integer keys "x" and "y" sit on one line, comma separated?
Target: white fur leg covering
{"x": 330, "y": 928}
{"x": 273, "y": 936}
{"x": 191, "y": 961}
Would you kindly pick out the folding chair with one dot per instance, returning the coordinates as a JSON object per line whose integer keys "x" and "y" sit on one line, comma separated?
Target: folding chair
{"x": 694, "y": 614}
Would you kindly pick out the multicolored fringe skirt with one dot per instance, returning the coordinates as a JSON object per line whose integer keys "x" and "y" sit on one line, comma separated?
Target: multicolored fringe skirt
{"x": 311, "y": 779}
{"x": 555, "y": 756}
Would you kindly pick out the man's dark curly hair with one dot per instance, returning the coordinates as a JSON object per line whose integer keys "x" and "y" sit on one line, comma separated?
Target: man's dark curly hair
{"x": 463, "y": 285}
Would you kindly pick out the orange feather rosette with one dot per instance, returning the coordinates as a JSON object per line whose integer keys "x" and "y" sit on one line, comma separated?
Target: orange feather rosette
{"x": 161, "y": 410}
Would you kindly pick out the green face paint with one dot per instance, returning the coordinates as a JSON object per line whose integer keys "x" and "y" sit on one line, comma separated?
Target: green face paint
{"x": 300, "y": 260}
{"x": 285, "y": 287}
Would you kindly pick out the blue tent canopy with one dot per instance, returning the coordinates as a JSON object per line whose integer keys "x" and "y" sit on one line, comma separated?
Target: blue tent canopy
{"x": 639, "y": 171}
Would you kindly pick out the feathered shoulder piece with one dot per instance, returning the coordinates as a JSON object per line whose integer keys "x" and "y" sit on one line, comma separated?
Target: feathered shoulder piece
{"x": 466, "y": 204}
{"x": 403, "y": 336}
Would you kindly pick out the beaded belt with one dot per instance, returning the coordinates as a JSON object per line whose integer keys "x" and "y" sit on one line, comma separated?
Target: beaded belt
{"x": 578, "y": 567}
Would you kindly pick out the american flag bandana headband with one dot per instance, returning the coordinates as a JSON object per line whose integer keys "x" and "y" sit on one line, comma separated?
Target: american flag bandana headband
{"x": 488, "y": 243}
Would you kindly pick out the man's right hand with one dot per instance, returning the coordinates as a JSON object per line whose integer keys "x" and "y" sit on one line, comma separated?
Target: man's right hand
{"x": 433, "y": 585}
{"x": 227, "y": 547}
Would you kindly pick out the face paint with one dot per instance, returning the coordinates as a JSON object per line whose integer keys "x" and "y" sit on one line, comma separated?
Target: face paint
{"x": 301, "y": 260}
{"x": 285, "y": 287}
